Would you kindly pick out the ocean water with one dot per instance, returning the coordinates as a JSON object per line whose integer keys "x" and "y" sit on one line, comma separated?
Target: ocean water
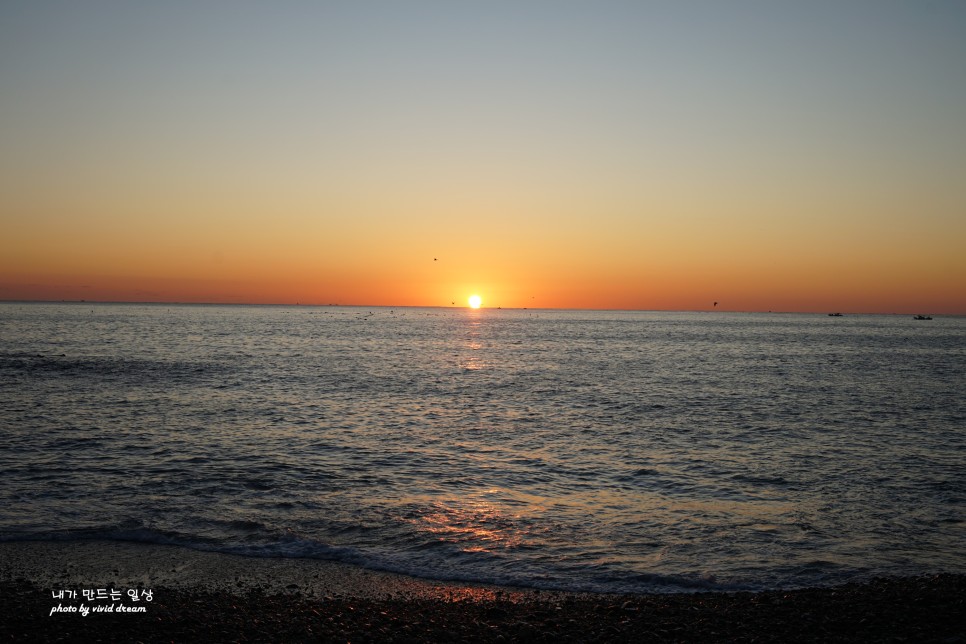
{"x": 581, "y": 450}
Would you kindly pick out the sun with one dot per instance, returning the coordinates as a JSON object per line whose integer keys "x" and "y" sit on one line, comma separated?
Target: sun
{"x": 475, "y": 301}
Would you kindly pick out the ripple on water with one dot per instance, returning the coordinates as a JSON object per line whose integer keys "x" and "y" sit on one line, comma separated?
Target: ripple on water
{"x": 604, "y": 450}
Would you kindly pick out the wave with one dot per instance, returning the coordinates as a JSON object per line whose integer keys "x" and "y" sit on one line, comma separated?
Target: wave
{"x": 292, "y": 546}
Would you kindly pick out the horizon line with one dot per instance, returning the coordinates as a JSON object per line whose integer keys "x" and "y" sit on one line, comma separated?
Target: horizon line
{"x": 442, "y": 306}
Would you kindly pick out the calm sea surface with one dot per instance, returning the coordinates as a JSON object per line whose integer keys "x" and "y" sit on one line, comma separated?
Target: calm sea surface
{"x": 615, "y": 451}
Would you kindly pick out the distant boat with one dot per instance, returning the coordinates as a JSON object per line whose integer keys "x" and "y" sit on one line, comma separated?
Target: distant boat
{"x": 835, "y": 315}
{"x": 922, "y": 317}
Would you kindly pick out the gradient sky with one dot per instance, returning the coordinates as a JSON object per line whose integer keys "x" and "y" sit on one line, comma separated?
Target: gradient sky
{"x": 794, "y": 156}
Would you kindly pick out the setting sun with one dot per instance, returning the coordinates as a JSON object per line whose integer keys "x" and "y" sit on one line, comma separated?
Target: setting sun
{"x": 475, "y": 301}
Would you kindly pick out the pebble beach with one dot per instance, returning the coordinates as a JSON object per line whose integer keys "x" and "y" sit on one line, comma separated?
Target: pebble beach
{"x": 198, "y": 595}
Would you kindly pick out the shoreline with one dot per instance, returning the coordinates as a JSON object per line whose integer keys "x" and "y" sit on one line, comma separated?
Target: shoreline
{"x": 131, "y": 564}
{"x": 219, "y": 597}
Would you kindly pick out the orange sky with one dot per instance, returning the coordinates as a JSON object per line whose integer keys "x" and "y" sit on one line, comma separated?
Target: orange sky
{"x": 549, "y": 156}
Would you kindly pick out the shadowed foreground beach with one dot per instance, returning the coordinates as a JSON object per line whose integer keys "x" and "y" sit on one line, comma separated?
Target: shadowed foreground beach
{"x": 195, "y": 595}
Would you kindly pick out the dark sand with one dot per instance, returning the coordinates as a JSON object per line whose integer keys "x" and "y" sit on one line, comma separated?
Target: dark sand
{"x": 207, "y": 596}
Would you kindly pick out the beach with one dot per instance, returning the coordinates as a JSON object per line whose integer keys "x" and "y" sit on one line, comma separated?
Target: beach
{"x": 183, "y": 594}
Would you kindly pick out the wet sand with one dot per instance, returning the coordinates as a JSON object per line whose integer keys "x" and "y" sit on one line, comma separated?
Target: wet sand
{"x": 198, "y": 595}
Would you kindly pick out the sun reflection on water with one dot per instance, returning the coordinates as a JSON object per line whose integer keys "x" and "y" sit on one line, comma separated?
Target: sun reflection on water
{"x": 471, "y": 358}
{"x": 474, "y": 525}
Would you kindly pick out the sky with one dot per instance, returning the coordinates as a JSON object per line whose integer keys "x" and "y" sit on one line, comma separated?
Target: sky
{"x": 787, "y": 156}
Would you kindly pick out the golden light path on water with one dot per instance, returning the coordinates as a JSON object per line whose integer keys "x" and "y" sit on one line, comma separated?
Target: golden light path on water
{"x": 479, "y": 523}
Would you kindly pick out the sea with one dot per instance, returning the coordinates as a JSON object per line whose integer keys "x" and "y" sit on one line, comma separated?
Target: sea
{"x": 611, "y": 451}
